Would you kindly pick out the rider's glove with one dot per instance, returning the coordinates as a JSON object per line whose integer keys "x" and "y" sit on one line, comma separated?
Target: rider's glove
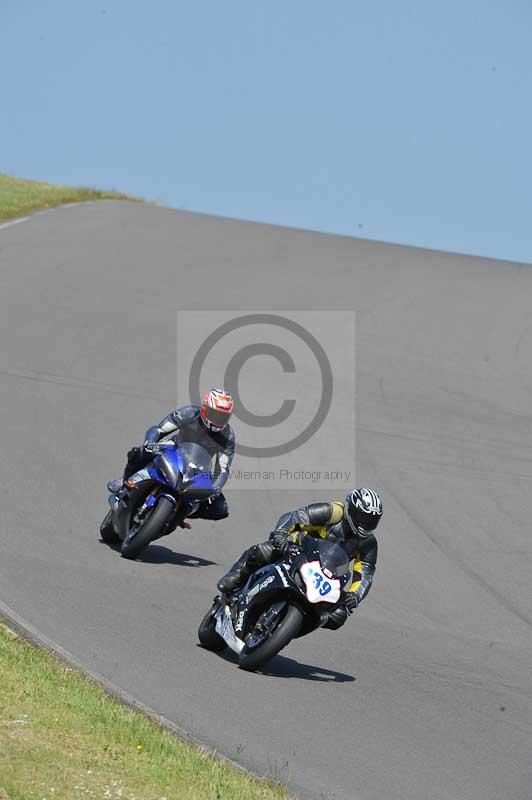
{"x": 291, "y": 550}
{"x": 134, "y": 456}
{"x": 279, "y": 539}
{"x": 350, "y": 602}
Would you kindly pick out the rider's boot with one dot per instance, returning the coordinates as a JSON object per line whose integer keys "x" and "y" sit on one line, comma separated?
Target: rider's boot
{"x": 136, "y": 459}
{"x": 257, "y": 556}
{"x": 237, "y": 575}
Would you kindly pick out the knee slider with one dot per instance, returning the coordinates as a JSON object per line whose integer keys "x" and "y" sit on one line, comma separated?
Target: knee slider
{"x": 336, "y": 619}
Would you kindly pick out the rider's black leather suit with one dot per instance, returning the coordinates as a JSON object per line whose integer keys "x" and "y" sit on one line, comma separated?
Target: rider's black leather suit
{"x": 325, "y": 520}
{"x": 185, "y": 425}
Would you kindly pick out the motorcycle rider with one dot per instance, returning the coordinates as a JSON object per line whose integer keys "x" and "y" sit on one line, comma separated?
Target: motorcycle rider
{"x": 351, "y": 524}
{"x": 207, "y": 425}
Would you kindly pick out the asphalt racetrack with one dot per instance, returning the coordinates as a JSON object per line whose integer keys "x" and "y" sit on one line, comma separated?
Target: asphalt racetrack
{"x": 426, "y": 692}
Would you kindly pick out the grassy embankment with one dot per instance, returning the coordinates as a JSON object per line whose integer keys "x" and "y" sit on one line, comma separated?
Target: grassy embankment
{"x": 63, "y": 738}
{"x": 19, "y": 197}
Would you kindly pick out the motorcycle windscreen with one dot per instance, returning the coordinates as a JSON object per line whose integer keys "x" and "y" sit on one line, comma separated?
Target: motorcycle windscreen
{"x": 196, "y": 470}
{"x": 333, "y": 558}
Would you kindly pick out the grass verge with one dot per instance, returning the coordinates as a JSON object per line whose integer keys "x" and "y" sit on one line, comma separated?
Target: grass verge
{"x": 19, "y": 196}
{"x": 63, "y": 738}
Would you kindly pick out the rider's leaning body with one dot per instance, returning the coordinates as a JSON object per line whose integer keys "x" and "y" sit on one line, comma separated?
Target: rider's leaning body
{"x": 325, "y": 520}
{"x": 349, "y": 523}
{"x": 206, "y": 425}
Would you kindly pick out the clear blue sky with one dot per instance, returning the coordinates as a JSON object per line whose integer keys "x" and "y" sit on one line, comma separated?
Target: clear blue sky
{"x": 407, "y": 122}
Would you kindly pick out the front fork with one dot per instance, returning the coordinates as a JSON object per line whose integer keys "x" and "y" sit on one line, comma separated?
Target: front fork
{"x": 183, "y": 509}
{"x": 127, "y": 513}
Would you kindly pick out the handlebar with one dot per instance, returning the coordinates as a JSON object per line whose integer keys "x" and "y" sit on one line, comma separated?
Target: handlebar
{"x": 156, "y": 447}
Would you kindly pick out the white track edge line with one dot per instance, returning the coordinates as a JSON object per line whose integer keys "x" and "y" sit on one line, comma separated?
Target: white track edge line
{"x": 13, "y": 222}
{"x": 31, "y": 634}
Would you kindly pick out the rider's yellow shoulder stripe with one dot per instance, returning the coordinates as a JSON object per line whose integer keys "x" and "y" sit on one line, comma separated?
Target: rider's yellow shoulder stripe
{"x": 337, "y": 512}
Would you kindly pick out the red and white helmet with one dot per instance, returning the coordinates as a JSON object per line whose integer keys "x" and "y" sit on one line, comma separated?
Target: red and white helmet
{"x": 216, "y": 408}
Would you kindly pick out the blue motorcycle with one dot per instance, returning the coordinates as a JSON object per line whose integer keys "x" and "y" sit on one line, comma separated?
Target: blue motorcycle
{"x": 158, "y": 497}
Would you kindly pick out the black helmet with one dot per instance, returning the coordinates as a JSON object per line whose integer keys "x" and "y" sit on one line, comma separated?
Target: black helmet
{"x": 363, "y": 511}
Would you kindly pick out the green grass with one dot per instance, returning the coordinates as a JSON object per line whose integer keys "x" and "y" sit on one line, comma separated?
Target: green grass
{"x": 19, "y": 197}
{"x": 63, "y": 738}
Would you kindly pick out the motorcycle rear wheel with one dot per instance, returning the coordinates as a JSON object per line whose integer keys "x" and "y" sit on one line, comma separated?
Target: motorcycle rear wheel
{"x": 283, "y": 633}
{"x": 150, "y": 529}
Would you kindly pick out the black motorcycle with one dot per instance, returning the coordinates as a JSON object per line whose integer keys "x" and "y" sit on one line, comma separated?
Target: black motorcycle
{"x": 279, "y": 602}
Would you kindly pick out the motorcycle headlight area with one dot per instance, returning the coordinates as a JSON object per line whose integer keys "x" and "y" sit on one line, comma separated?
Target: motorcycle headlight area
{"x": 319, "y": 588}
{"x": 168, "y": 470}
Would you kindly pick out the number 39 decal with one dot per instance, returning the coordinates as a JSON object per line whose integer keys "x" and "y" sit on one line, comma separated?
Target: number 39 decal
{"x": 324, "y": 587}
{"x": 319, "y": 588}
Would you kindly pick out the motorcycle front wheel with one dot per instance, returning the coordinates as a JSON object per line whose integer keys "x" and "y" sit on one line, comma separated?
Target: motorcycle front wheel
{"x": 207, "y": 635}
{"x": 260, "y": 648}
{"x": 107, "y": 532}
{"x": 150, "y": 529}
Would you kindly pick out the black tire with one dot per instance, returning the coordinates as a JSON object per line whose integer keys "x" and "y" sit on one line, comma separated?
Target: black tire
{"x": 285, "y": 631}
{"x": 107, "y": 533}
{"x": 207, "y": 633}
{"x": 150, "y": 529}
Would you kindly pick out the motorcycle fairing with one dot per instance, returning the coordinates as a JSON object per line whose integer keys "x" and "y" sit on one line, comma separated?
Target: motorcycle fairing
{"x": 320, "y": 587}
{"x": 224, "y": 628}
{"x": 171, "y": 469}
{"x": 268, "y": 580}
